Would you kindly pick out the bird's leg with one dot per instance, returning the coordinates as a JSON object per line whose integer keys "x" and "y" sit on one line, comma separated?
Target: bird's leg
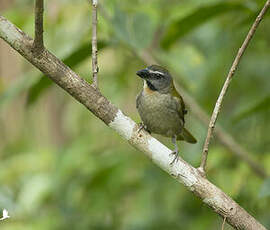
{"x": 141, "y": 126}
{"x": 176, "y": 151}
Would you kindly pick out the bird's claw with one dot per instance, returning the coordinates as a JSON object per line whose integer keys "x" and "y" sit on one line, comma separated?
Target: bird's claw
{"x": 141, "y": 126}
{"x": 176, "y": 157}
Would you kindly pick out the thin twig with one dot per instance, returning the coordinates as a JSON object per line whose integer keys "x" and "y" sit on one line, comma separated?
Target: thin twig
{"x": 223, "y": 224}
{"x": 38, "y": 45}
{"x": 94, "y": 44}
{"x": 217, "y": 108}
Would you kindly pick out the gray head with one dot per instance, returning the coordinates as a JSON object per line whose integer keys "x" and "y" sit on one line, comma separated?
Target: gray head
{"x": 157, "y": 78}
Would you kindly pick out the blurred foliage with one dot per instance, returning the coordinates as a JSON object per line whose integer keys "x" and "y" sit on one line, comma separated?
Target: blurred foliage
{"x": 258, "y": 107}
{"x": 61, "y": 168}
{"x": 195, "y": 18}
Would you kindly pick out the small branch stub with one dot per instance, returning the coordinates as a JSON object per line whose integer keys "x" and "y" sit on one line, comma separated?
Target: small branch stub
{"x": 223, "y": 92}
{"x": 38, "y": 45}
{"x": 94, "y": 44}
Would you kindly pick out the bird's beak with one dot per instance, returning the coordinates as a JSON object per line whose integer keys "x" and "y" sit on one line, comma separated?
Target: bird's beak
{"x": 143, "y": 73}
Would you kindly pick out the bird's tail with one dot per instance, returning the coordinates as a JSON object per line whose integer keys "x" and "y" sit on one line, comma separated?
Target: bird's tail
{"x": 187, "y": 136}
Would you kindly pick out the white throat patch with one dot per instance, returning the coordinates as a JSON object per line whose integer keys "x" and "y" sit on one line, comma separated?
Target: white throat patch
{"x": 144, "y": 84}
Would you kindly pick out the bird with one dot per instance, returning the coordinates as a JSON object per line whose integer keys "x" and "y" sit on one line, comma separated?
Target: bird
{"x": 161, "y": 107}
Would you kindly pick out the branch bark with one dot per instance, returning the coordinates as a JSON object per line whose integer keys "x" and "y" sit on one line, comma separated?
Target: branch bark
{"x": 94, "y": 43}
{"x": 94, "y": 101}
{"x": 223, "y": 92}
{"x": 38, "y": 41}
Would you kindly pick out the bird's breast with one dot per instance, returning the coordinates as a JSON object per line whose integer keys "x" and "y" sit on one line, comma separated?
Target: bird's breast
{"x": 159, "y": 113}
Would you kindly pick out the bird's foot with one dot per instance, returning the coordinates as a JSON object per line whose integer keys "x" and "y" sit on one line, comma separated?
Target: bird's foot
{"x": 176, "y": 157}
{"x": 175, "y": 152}
{"x": 142, "y": 126}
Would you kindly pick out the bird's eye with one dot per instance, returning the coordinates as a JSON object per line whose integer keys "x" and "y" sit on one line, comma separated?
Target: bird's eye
{"x": 157, "y": 75}
{"x": 160, "y": 75}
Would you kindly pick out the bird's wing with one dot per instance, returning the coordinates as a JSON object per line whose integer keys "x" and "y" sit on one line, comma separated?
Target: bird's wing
{"x": 137, "y": 99}
{"x": 181, "y": 108}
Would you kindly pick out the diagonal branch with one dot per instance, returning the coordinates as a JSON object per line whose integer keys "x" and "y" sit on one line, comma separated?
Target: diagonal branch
{"x": 38, "y": 45}
{"x": 94, "y": 43}
{"x": 94, "y": 101}
{"x": 236, "y": 61}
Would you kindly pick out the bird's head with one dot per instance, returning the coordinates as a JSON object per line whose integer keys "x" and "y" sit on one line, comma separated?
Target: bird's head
{"x": 157, "y": 78}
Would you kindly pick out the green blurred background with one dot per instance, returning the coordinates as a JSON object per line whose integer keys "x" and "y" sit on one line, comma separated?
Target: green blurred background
{"x": 62, "y": 168}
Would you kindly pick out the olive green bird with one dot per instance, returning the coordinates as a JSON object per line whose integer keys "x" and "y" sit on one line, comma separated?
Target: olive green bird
{"x": 161, "y": 107}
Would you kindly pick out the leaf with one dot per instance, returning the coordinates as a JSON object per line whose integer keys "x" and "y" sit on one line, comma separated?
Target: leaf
{"x": 120, "y": 23}
{"x": 260, "y": 106}
{"x": 142, "y": 30}
{"x": 135, "y": 30}
{"x": 200, "y": 15}
{"x": 265, "y": 189}
{"x": 34, "y": 191}
{"x": 101, "y": 177}
{"x": 72, "y": 60}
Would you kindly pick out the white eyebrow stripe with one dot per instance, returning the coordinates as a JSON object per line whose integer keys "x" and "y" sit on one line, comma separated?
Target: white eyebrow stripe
{"x": 152, "y": 71}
